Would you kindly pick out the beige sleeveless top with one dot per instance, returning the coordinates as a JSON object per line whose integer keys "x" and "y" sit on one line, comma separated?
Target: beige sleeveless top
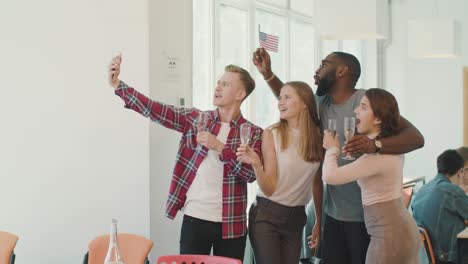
{"x": 295, "y": 175}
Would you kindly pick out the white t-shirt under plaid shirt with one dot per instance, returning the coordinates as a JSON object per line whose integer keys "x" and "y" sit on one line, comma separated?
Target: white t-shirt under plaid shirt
{"x": 205, "y": 195}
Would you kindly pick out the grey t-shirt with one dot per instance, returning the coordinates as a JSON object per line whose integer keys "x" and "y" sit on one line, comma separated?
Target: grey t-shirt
{"x": 342, "y": 202}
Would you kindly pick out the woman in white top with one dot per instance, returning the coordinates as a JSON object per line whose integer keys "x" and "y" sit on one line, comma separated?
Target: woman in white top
{"x": 394, "y": 233}
{"x": 292, "y": 154}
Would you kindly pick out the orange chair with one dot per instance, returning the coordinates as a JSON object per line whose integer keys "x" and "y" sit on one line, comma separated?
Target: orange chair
{"x": 196, "y": 259}
{"x": 406, "y": 195}
{"x": 426, "y": 242}
{"x": 134, "y": 249}
{"x": 7, "y": 245}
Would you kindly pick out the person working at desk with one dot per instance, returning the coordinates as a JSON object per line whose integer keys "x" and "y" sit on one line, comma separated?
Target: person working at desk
{"x": 441, "y": 206}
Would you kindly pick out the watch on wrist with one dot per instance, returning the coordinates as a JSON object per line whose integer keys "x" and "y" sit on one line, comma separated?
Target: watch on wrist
{"x": 378, "y": 145}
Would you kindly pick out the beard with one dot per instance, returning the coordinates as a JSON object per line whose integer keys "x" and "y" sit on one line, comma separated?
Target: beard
{"x": 325, "y": 84}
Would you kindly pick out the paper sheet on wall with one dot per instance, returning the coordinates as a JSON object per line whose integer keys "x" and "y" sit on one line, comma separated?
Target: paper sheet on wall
{"x": 171, "y": 66}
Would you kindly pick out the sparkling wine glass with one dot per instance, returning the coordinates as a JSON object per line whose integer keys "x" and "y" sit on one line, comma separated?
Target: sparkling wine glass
{"x": 201, "y": 123}
{"x": 349, "y": 127}
{"x": 332, "y": 126}
{"x": 245, "y": 133}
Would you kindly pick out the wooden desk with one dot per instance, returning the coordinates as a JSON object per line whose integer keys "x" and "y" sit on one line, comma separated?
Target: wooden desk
{"x": 463, "y": 234}
{"x": 462, "y": 241}
{"x": 412, "y": 180}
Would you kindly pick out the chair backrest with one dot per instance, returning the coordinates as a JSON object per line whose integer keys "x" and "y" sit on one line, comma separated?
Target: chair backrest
{"x": 426, "y": 241}
{"x": 406, "y": 195}
{"x": 196, "y": 259}
{"x": 134, "y": 248}
{"x": 7, "y": 245}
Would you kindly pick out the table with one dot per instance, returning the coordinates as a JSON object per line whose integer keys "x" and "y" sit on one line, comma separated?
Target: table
{"x": 462, "y": 241}
{"x": 413, "y": 180}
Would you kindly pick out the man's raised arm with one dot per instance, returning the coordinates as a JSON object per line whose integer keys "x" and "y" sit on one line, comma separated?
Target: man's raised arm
{"x": 262, "y": 60}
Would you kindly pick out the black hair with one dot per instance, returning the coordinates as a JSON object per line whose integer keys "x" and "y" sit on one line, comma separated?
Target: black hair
{"x": 449, "y": 162}
{"x": 352, "y": 62}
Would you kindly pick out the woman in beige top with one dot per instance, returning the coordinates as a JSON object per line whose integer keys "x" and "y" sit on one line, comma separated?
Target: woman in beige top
{"x": 394, "y": 233}
{"x": 292, "y": 153}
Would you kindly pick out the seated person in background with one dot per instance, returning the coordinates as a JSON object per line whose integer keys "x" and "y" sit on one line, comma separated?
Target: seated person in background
{"x": 463, "y": 151}
{"x": 441, "y": 206}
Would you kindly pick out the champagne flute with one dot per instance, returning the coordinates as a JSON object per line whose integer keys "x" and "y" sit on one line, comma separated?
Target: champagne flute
{"x": 201, "y": 123}
{"x": 349, "y": 127}
{"x": 245, "y": 133}
{"x": 332, "y": 126}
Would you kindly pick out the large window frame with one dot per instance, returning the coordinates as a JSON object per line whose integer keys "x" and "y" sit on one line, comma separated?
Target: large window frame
{"x": 251, "y": 7}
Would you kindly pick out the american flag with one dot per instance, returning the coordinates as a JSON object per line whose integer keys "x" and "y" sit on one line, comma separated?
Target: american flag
{"x": 269, "y": 42}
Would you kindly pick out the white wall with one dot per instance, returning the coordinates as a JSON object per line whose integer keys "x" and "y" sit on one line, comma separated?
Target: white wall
{"x": 71, "y": 157}
{"x": 170, "y": 28}
{"x": 429, "y": 91}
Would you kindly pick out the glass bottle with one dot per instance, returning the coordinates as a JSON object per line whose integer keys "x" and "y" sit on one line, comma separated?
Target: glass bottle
{"x": 113, "y": 253}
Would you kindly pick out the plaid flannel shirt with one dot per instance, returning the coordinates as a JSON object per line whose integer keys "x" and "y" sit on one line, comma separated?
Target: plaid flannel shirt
{"x": 235, "y": 174}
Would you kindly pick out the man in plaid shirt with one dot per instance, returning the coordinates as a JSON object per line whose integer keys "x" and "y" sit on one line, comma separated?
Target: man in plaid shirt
{"x": 209, "y": 184}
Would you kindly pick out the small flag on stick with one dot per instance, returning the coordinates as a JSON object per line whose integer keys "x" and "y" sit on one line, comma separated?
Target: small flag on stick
{"x": 267, "y": 41}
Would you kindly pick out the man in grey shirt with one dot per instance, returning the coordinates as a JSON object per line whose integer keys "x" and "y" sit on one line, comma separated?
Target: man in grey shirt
{"x": 345, "y": 238}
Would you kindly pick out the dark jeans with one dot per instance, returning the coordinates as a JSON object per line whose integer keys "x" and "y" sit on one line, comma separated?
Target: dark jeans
{"x": 275, "y": 232}
{"x": 199, "y": 236}
{"x": 344, "y": 242}
{"x": 442, "y": 262}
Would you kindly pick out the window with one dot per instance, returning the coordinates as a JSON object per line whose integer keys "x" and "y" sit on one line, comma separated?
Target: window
{"x": 329, "y": 46}
{"x": 355, "y": 47}
{"x": 278, "y": 3}
{"x": 233, "y": 42}
{"x": 226, "y": 32}
{"x": 232, "y": 46}
{"x": 265, "y": 112}
{"x": 302, "y": 53}
{"x": 202, "y": 81}
{"x": 305, "y": 7}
